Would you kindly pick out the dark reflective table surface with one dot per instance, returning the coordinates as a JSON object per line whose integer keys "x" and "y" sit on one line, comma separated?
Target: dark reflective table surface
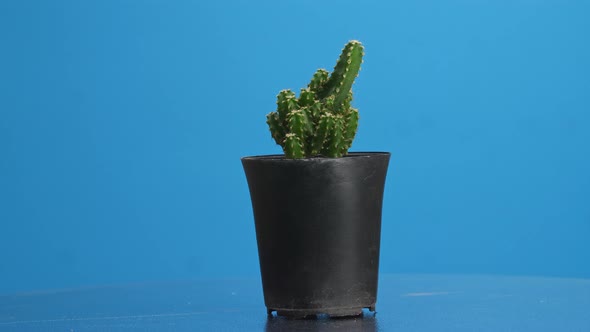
{"x": 405, "y": 303}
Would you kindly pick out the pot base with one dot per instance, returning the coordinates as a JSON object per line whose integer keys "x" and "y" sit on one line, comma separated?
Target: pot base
{"x": 315, "y": 313}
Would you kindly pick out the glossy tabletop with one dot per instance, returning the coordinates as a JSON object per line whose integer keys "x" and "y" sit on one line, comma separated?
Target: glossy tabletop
{"x": 405, "y": 303}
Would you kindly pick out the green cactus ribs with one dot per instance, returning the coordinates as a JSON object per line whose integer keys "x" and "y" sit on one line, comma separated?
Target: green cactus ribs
{"x": 320, "y": 121}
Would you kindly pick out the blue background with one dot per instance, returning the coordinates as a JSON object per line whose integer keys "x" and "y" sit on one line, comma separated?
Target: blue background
{"x": 122, "y": 124}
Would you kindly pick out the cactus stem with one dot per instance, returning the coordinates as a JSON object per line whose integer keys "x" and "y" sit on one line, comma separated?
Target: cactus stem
{"x": 320, "y": 121}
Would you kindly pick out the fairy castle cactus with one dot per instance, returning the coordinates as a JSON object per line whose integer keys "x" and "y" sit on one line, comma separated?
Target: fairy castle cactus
{"x": 321, "y": 121}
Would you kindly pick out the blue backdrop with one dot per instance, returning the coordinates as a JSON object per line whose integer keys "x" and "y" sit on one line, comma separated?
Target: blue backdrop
{"x": 122, "y": 124}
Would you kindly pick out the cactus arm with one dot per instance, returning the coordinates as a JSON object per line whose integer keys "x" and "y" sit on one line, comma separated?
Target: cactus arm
{"x": 319, "y": 79}
{"x": 300, "y": 126}
{"x": 284, "y": 102}
{"x": 325, "y": 124}
{"x": 333, "y": 146}
{"x": 308, "y": 120}
{"x": 345, "y": 72}
{"x": 293, "y": 147}
{"x": 292, "y": 104}
{"x": 316, "y": 111}
{"x": 297, "y": 123}
{"x": 350, "y": 126}
{"x": 306, "y": 97}
{"x": 276, "y": 129}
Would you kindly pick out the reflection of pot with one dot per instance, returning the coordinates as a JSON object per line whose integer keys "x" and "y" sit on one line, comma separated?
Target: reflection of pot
{"x": 318, "y": 227}
{"x": 368, "y": 323}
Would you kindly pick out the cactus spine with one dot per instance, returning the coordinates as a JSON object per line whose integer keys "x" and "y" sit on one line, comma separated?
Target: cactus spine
{"x": 321, "y": 121}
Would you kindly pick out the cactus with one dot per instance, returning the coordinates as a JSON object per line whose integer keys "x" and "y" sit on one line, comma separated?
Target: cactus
{"x": 321, "y": 121}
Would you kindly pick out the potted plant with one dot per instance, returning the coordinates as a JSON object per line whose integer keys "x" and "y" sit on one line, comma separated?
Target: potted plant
{"x": 317, "y": 208}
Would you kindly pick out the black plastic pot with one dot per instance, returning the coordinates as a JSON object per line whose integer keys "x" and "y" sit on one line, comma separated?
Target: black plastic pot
{"x": 318, "y": 228}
